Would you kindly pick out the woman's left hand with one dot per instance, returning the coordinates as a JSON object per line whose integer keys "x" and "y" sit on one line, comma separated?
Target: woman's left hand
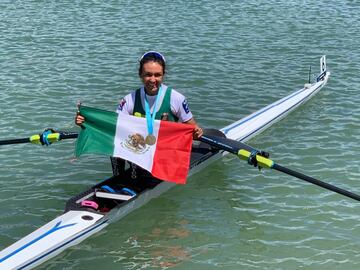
{"x": 198, "y": 132}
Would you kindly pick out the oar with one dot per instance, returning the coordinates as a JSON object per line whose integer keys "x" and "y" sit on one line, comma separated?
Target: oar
{"x": 261, "y": 160}
{"x": 47, "y": 137}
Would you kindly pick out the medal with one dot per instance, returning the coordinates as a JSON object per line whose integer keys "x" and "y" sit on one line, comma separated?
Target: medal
{"x": 150, "y": 139}
{"x": 150, "y": 118}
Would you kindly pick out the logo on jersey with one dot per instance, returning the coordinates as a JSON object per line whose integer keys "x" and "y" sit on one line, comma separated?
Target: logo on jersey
{"x": 121, "y": 104}
{"x": 186, "y": 106}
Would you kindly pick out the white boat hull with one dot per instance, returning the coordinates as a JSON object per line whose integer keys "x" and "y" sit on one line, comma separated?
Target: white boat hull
{"x": 74, "y": 226}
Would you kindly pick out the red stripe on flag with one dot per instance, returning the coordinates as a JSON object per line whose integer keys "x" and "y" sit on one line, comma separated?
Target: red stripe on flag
{"x": 173, "y": 149}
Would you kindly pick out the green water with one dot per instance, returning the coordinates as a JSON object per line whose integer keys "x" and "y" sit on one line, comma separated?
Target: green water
{"x": 229, "y": 58}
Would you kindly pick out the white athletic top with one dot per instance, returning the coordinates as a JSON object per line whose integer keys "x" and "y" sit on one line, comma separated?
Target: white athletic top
{"x": 178, "y": 103}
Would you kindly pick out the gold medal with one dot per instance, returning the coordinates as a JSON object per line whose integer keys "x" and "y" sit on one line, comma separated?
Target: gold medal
{"x": 150, "y": 139}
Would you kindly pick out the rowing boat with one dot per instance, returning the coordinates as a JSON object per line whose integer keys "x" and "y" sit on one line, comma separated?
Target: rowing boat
{"x": 100, "y": 205}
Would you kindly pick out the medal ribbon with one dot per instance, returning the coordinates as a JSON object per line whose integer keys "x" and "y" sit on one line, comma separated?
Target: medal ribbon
{"x": 150, "y": 118}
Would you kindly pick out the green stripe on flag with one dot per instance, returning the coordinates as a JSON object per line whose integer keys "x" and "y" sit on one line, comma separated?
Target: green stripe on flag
{"x": 98, "y": 132}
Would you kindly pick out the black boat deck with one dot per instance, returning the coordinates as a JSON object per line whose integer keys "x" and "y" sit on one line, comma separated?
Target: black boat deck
{"x": 122, "y": 178}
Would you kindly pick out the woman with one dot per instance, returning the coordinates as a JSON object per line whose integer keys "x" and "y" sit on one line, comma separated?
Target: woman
{"x": 155, "y": 100}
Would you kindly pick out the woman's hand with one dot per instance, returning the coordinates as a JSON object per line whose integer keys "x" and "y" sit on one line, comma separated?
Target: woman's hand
{"x": 79, "y": 119}
{"x": 198, "y": 132}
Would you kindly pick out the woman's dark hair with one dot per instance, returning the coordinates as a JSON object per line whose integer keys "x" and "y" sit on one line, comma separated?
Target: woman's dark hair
{"x": 152, "y": 56}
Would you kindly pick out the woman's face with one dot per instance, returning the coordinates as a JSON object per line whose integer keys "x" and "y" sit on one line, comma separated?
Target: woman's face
{"x": 152, "y": 76}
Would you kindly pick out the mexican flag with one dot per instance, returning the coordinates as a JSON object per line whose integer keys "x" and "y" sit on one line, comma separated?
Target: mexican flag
{"x": 123, "y": 136}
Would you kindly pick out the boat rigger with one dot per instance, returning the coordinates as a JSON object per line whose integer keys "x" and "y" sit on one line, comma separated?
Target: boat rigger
{"x": 92, "y": 210}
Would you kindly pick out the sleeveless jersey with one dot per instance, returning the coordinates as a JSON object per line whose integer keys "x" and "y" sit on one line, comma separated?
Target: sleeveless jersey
{"x": 163, "y": 113}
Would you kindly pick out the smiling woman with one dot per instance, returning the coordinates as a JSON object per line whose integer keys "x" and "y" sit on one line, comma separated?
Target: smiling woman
{"x": 152, "y": 70}
{"x": 155, "y": 100}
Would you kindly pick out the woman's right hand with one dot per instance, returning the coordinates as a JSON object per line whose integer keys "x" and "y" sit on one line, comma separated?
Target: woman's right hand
{"x": 79, "y": 119}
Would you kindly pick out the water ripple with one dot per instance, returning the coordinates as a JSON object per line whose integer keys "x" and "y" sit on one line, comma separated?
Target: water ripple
{"x": 230, "y": 59}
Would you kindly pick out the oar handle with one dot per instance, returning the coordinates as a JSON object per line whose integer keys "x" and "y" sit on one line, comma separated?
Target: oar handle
{"x": 68, "y": 135}
{"x": 225, "y": 144}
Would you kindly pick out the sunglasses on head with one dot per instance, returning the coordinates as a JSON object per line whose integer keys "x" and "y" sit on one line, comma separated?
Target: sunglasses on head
{"x": 153, "y": 54}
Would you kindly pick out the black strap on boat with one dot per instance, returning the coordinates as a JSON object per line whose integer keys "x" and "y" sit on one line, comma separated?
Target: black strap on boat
{"x": 321, "y": 76}
{"x": 44, "y": 136}
{"x": 252, "y": 158}
{"x": 128, "y": 191}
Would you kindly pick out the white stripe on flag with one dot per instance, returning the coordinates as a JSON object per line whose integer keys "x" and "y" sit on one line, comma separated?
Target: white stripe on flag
{"x": 129, "y": 142}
